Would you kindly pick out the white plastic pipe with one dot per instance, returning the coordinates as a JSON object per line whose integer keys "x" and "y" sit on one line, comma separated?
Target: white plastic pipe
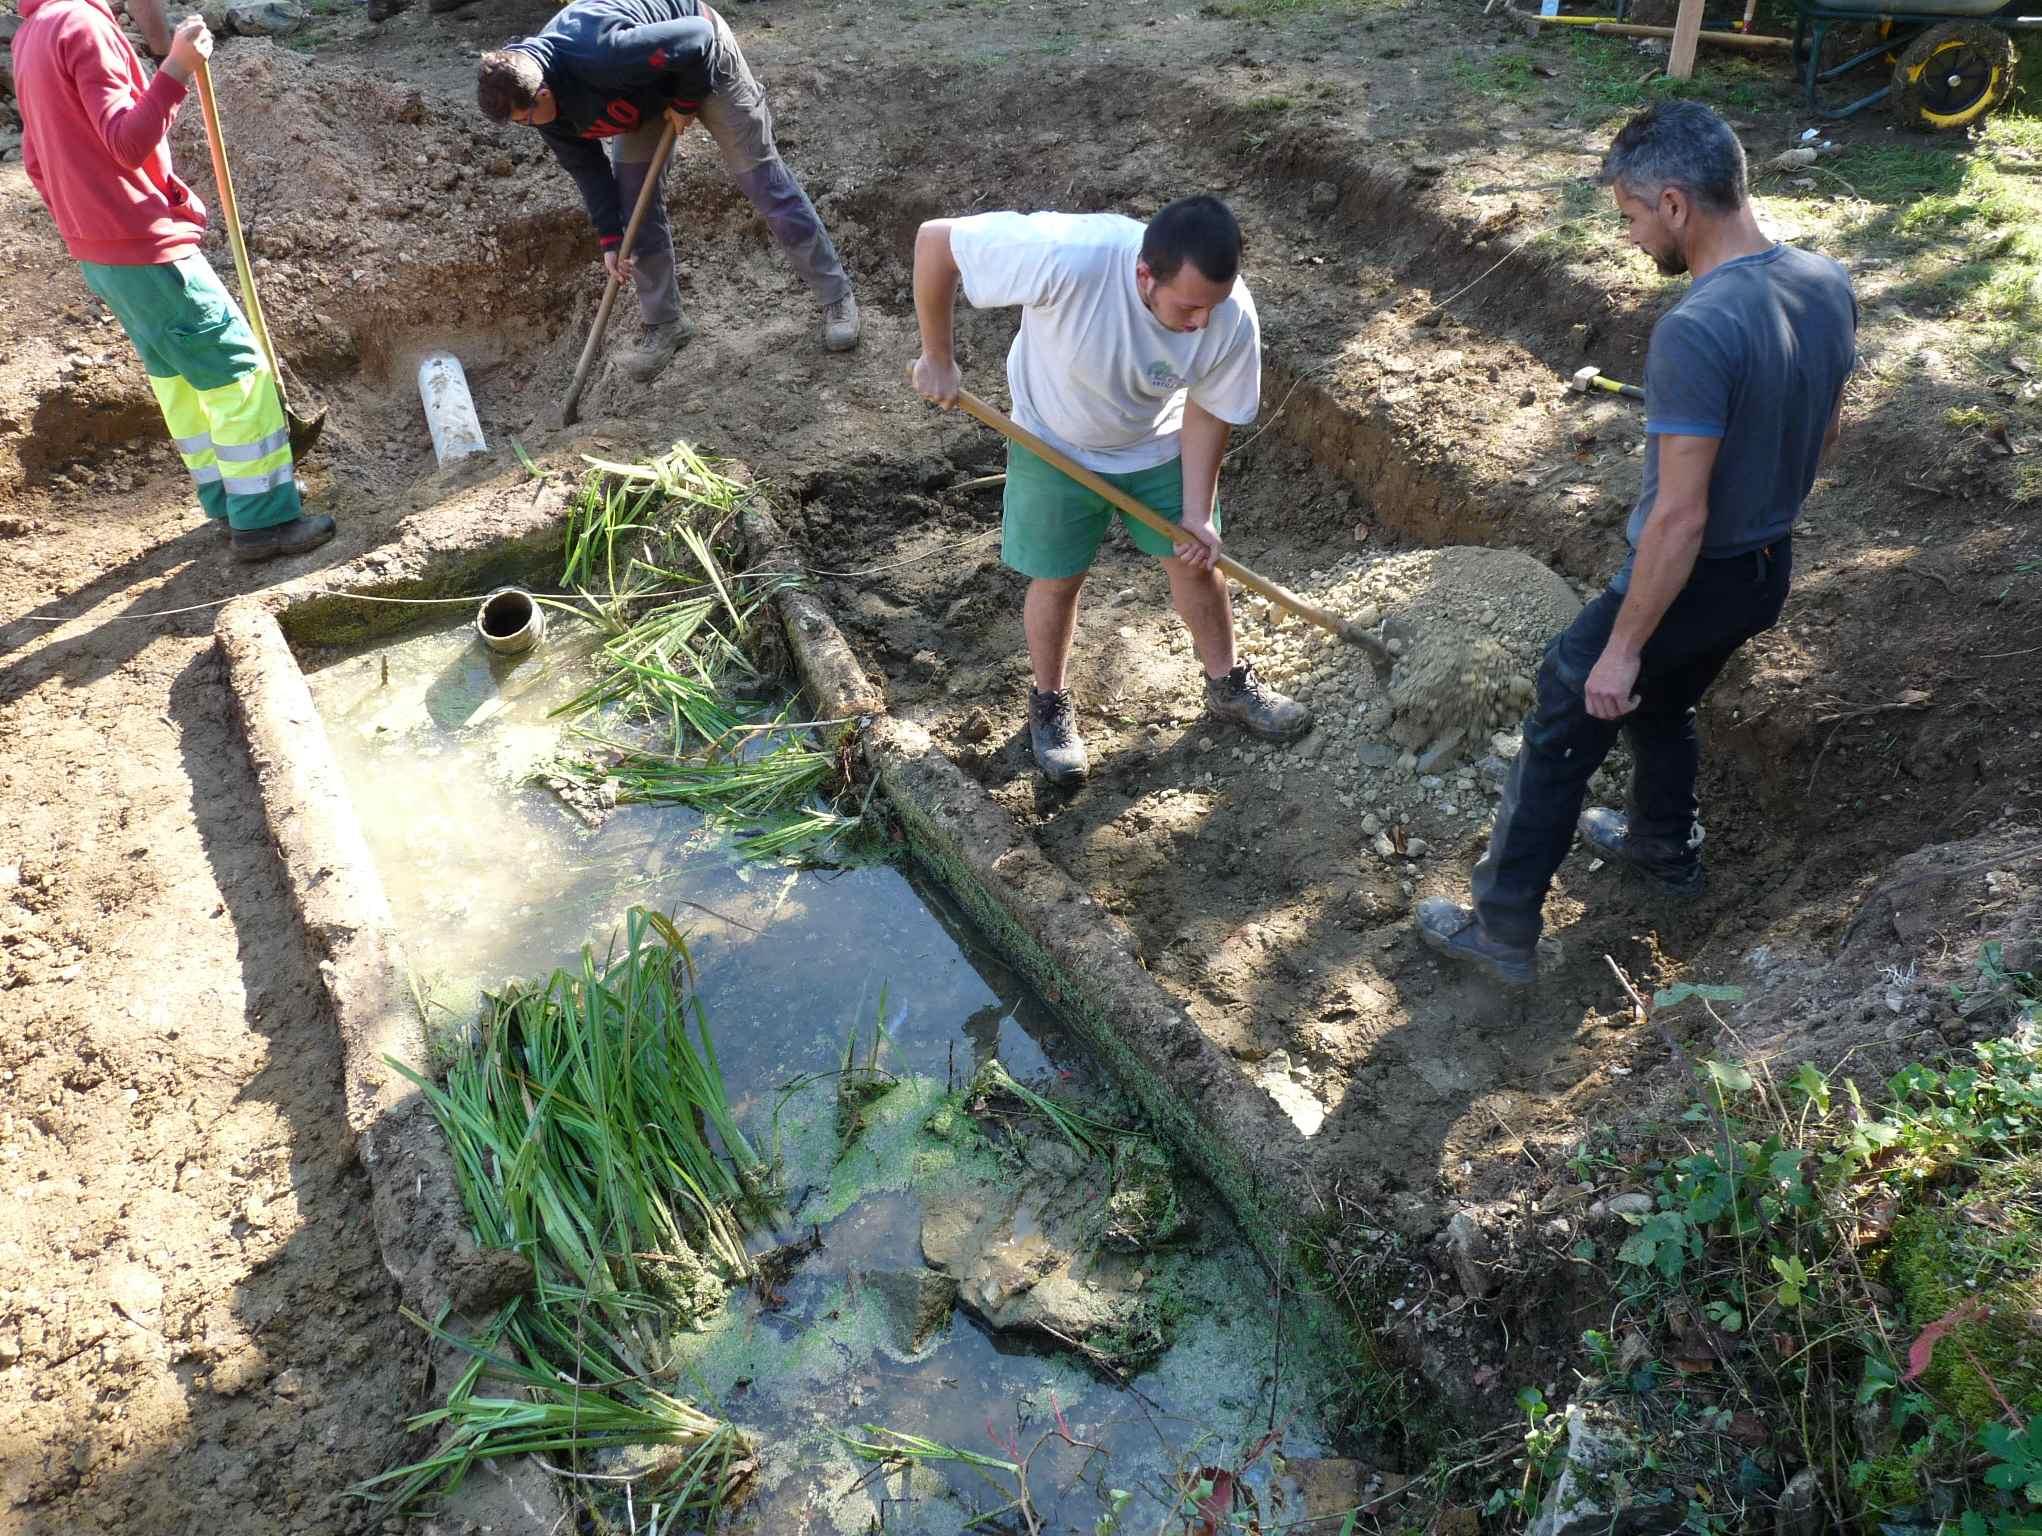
{"x": 449, "y": 408}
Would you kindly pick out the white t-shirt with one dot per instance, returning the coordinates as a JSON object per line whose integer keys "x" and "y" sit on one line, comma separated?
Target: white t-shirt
{"x": 1092, "y": 371}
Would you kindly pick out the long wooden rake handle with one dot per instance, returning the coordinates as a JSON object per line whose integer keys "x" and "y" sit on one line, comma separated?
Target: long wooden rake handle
{"x": 230, "y": 211}
{"x": 570, "y": 408}
{"x": 1280, "y": 595}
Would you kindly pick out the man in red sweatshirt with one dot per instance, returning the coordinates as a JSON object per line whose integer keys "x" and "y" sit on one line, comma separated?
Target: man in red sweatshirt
{"x": 94, "y": 143}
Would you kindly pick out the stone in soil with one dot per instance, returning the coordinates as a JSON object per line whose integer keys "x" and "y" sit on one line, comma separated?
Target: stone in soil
{"x": 1024, "y": 1251}
{"x": 917, "y": 1302}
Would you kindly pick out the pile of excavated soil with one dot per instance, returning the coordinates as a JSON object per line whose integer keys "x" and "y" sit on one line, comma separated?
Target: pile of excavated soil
{"x": 1467, "y": 625}
{"x": 345, "y": 178}
{"x": 1472, "y": 624}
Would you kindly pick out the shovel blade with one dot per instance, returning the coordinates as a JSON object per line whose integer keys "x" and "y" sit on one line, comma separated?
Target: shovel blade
{"x": 305, "y": 432}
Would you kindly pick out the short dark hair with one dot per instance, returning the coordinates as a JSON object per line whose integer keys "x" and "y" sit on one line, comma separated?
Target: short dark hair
{"x": 1200, "y": 230}
{"x": 1678, "y": 144}
{"x": 507, "y": 79}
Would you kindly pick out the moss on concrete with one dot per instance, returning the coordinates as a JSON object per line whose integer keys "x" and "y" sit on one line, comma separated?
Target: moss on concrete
{"x": 341, "y": 618}
{"x": 1270, "y": 1220}
{"x": 1986, "y": 1249}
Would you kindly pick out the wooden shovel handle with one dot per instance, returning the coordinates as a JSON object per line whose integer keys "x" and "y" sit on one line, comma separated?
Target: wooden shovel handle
{"x": 646, "y": 193}
{"x": 230, "y": 212}
{"x": 1282, "y": 596}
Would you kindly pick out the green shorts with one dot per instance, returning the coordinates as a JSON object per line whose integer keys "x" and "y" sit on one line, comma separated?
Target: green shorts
{"x": 1052, "y": 526}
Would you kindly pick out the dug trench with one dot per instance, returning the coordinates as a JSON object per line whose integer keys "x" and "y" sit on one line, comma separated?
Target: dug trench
{"x": 1412, "y": 403}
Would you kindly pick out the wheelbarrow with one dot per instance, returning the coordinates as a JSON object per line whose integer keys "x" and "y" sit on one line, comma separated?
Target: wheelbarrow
{"x": 1949, "y": 65}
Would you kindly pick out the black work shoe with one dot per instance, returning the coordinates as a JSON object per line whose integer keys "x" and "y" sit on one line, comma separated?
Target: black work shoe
{"x": 1053, "y": 736}
{"x": 1245, "y": 699}
{"x": 1675, "y": 867}
{"x": 1456, "y": 932}
{"x": 292, "y": 538}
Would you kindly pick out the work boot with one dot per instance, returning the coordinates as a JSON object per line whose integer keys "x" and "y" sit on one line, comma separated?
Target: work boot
{"x": 1245, "y": 699}
{"x": 655, "y": 348}
{"x": 1053, "y": 736}
{"x": 1675, "y": 867}
{"x": 292, "y": 538}
{"x": 1456, "y": 932}
{"x": 841, "y": 325}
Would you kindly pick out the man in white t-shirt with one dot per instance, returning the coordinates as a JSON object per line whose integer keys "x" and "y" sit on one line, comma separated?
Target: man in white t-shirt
{"x": 1139, "y": 351}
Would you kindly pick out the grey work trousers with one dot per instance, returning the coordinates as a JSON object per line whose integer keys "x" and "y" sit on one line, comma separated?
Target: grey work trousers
{"x": 738, "y": 119}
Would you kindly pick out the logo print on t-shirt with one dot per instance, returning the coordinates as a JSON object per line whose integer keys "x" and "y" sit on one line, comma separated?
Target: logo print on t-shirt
{"x": 1163, "y": 376}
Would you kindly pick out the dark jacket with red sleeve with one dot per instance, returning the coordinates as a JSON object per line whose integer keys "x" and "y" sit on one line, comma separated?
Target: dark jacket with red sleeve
{"x": 614, "y": 65}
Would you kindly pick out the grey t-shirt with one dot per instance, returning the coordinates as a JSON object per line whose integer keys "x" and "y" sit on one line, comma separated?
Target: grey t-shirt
{"x": 1755, "y": 354}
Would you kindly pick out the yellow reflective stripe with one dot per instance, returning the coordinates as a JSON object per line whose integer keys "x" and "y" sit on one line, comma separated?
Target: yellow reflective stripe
{"x": 183, "y": 411}
{"x": 246, "y": 483}
{"x": 244, "y": 411}
{"x": 244, "y": 453}
{"x": 253, "y": 477}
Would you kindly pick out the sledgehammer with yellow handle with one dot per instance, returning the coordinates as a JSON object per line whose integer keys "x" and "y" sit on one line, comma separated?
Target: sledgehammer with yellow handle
{"x": 1593, "y": 377}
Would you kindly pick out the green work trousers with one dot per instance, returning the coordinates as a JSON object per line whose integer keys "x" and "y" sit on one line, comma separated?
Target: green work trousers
{"x": 218, "y": 396}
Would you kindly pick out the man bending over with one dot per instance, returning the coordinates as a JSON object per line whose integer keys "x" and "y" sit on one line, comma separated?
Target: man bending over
{"x": 1139, "y": 351}
{"x": 617, "y": 69}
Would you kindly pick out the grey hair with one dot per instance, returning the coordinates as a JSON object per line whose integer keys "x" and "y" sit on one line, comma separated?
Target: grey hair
{"x": 1678, "y": 144}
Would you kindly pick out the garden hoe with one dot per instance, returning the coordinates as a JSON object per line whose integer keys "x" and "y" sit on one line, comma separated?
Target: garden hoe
{"x": 1283, "y": 597}
{"x": 570, "y": 408}
{"x": 305, "y": 430}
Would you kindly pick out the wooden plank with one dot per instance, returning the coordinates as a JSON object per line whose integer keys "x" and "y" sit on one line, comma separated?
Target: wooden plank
{"x": 1680, "y": 60}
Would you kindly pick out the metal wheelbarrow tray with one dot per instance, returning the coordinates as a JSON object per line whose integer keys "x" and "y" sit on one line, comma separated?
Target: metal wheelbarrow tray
{"x": 1951, "y": 63}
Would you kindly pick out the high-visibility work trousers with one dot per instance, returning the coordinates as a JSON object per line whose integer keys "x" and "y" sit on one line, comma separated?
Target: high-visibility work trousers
{"x": 218, "y": 396}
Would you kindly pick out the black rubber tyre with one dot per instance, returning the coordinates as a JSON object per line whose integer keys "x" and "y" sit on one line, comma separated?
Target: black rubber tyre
{"x": 1951, "y": 75}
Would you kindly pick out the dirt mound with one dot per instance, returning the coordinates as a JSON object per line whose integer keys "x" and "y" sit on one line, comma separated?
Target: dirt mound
{"x": 339, "y": 165}
{"x": 1468, "y": 624}
{"x": 1918, "y": 967}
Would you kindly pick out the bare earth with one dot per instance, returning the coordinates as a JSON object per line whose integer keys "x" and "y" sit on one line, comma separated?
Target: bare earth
{"x": 195, "y": 1334}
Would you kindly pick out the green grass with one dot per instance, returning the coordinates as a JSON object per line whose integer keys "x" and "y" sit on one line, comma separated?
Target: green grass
{"x": 1586, "y": 223}
{"x": 590, "y": 1134}
{"x": 1088, "y": 1137}
{"x": 1268, "y": 10}
{"x": 1868, "y": 1261}
{"x": 663, "y": 723}
{"x": 1505, "y": 72}
{"x": 1957, "y": 222}
{"x": 1611, "y": 78}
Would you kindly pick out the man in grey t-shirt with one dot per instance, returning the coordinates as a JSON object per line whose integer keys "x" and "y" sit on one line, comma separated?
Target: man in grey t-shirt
{"x": 1743, "y": 388}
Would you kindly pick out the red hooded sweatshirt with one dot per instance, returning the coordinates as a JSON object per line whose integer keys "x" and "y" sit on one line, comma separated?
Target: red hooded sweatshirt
{"x": 94, "y": 137}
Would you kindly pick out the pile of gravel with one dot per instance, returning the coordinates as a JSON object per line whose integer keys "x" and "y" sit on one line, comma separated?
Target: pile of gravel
{"x": 1467, "y": 626}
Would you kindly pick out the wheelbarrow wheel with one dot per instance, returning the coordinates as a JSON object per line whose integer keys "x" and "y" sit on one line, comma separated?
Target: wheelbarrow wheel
{"x": 1951, "y": 75}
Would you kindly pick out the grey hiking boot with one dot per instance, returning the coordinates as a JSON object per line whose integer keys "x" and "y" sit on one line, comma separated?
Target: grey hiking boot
{"x": 654, "y": 349}
{"x": 1245, "y": 699}
{"x": 1675, "y": 867}
{"x": 1053, "y": 737}
{"x": 840, "y": 325}
{"x": 1457, "y": 933}
{"x": 292, "y": 538}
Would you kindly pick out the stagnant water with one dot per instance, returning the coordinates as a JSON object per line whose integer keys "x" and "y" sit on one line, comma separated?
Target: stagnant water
{"x": 489, "y": 875}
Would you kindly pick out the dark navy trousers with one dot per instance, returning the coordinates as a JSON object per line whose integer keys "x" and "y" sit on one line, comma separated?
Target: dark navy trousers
{"x": 1724, "y": 604}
